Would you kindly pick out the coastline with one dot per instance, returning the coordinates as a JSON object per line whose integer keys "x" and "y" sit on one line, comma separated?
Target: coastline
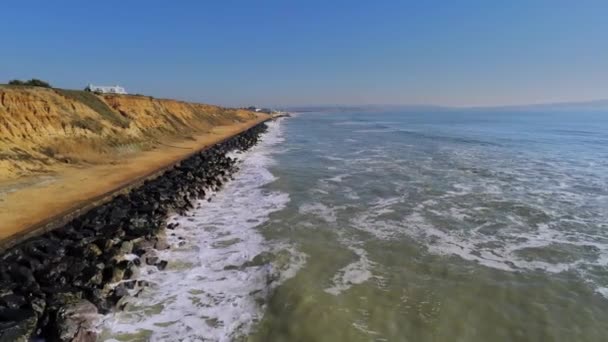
{"x": 55, "y": 285}
{"x": 33, "y": 210}
{"x": 221, "y": 267}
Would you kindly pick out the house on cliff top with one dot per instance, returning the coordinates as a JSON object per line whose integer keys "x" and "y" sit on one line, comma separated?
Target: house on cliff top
{"x": 106, "y": 89}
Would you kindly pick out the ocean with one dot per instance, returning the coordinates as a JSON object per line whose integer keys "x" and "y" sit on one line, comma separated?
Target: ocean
{"x": 412, "y": 225}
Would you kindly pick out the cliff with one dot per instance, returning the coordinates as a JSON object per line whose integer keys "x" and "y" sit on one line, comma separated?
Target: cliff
{"x": 65, "y": 151}
{"x": 43, "y": 129}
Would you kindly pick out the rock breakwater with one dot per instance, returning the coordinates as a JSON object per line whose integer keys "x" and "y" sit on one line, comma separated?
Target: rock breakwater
{"x": 52, "y": 285}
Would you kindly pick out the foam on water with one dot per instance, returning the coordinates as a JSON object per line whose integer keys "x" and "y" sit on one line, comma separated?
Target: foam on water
{"x": 354, "y": 273}
{"x": 504, "y": 217}
{"x": 214, "y": 286}
{"x": 410, "y": 228}
{"x": 320, "y": 210}
{"x": 378, "y": 130}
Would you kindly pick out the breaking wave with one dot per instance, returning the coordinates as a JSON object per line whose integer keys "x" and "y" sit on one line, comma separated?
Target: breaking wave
{"x": 221, "y": 269}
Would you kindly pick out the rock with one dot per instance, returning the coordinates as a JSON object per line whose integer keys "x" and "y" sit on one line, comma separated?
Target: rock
{"x": 93, "y": 275}
{"x": 22, "y": 274}
{"x": 128, "y": 273}
{"x": 162, "y": 264}
{"x": 112, "y": 274}
{"x": 38, "y": 305}
{"x": 124, "y": 264}
{"x": 107, "y": 244}
{"x": 141, "y": 246}
{"x": 92, "y": 251}
{"x": 126, "y": 247}
{"x": 151, "y": 260}
{"x": 118, "y": 292}
{"x": 75, "y": 322}
{"x": 43, "y": 280}
{"x": 32, "y": 264}
{"x": 75, "y": 269}
{"x": 98, "y": 297}
{"x": 60, "y": 299}
{"x": 12, "y": 301}
{"x": 143, "y": 283}
{"x": 150, "y": 253}
{"x": 118, "y": 214}
{"x": 138, "y": 226}
{"x": 176, "y": 224}
{"x": 5, "y": 277}
{"x": 6, "y": 288}
{"x": 17, "y": 325}
{"x": 128, "y": 267}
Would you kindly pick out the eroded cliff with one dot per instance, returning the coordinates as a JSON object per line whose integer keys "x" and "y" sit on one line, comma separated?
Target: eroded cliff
{"x": 43, "y": 129}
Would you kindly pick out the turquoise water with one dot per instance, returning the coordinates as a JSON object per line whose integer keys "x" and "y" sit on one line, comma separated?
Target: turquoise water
{"x": 394, "y": 226}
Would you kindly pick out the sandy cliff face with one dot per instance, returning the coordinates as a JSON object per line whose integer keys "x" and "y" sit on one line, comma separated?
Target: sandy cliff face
{"x": 42, "y": 129}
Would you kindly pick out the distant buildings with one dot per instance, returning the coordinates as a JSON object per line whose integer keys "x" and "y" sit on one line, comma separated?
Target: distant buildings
{"x": 259, "y": 110}
{"x": 106, "y": 89}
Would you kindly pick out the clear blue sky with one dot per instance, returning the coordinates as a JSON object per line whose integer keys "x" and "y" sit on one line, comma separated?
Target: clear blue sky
{"x": 315, "y": 52}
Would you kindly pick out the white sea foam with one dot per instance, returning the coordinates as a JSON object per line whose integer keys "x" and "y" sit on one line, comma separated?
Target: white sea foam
{"x": 354, "y": 273}
{"x": 378, "y": 130}
{"x": 339, "y": 178}
{"x": 211, "y": 289}
{"x": 320, "y": 210}
{"x": 510, "y": 217}
{"x": 334, "y": 158}
{"x": 353, "y": 123}
{"x": 503, "y": 250}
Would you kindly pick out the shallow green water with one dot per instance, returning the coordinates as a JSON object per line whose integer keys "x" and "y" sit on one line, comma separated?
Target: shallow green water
{"x": 446, "y": 227}
{"x": 400, "y": 226}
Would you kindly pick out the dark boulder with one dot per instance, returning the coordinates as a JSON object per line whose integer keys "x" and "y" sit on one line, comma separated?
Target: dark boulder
{"x": 151, "y": 260}
{"x": 22, "y": 274}
{"x": 161, "y": 265}
{"x": 118, "y": 292}
{"x": 12, "y": 301}
{"x": 17, "y": 325}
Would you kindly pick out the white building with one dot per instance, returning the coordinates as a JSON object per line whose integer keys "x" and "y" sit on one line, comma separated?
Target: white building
{"x": 106, "y": 89}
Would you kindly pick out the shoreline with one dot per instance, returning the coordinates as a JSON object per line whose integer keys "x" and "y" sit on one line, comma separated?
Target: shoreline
{"x": 40, "y": 208}
{"x": 221, "y": 268}
{"x": 54, "y": 285}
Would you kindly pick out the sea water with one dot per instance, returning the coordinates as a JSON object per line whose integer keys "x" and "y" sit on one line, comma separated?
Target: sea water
{"x": 411, "y": 225}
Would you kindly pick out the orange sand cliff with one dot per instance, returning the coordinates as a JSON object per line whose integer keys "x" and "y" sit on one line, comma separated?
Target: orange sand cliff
{"x": 62, "y": 149}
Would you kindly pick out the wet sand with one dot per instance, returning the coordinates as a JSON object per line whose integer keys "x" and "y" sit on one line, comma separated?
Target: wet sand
{"x": 24, "y": 210}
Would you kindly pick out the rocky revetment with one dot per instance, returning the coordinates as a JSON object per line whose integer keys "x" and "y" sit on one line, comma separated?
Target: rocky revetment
{"x": 54, "y": 286}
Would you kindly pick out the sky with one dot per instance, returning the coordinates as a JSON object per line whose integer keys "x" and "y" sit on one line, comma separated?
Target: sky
{"x": 280, "y": 53}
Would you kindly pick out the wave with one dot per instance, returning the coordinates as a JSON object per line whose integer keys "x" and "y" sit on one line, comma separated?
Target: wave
{"x": 221, "y": 269}
{"x": 502, "y": 234}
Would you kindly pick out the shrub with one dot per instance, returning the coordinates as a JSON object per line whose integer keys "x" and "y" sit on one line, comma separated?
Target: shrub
{"x": 88, "y": 124}
{"x": 34, "y": 82}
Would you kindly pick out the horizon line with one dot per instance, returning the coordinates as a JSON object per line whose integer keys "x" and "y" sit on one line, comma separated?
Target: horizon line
{"x": 599, "y": 101}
